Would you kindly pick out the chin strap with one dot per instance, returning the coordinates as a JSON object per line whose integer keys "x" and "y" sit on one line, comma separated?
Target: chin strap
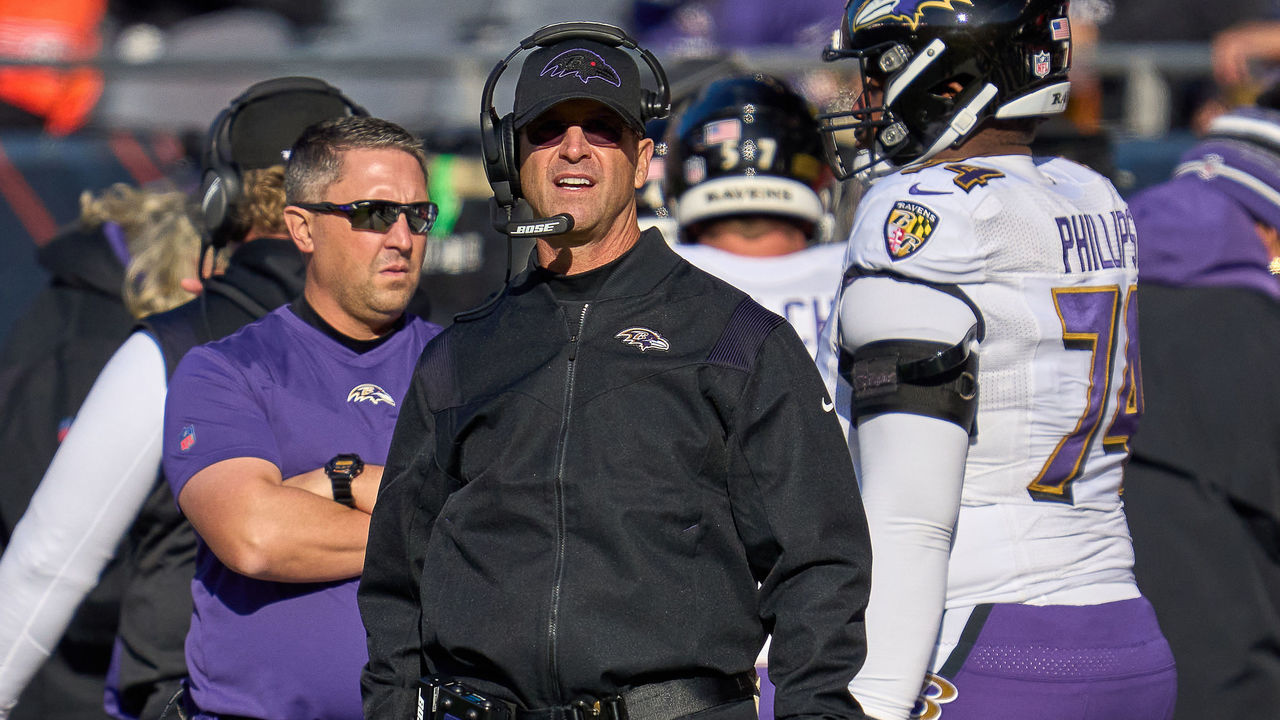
{"x": 962, "y": 123}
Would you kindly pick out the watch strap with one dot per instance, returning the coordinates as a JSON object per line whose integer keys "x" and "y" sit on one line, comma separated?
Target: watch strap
{"x": 342, "y": 469}
{"x": 342, "y": 490}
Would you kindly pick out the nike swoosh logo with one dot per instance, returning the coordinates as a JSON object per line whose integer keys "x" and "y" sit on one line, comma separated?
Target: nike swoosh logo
{"x": 915, "y": 190}
{"x": 827, "y": 405}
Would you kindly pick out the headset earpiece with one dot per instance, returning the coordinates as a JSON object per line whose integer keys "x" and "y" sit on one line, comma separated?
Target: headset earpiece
{"x": 655, "y": 104}
{"x": 511, "y": 152}
{"x": 495, "y": 158}
{"x": 215, "y": 192}
{"x": 220, "y": 176}
{"x": 652, "y": 106}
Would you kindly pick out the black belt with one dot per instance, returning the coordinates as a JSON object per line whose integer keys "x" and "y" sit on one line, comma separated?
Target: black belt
{"x": 656, "y": 701}
{"x": 182, "y": 707}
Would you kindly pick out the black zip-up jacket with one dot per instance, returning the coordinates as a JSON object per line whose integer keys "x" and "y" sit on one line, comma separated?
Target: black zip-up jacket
{"x": 577, "y": 505}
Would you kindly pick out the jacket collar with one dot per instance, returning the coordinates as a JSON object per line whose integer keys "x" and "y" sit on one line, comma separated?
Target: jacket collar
{"x": 638, "y": 271}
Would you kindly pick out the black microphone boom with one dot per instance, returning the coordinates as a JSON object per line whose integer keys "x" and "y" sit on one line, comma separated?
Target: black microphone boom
{"x": 538, "y": 227}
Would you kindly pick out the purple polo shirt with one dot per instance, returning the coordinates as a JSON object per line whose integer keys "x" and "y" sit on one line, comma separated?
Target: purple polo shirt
{"x": 281, "y": 390}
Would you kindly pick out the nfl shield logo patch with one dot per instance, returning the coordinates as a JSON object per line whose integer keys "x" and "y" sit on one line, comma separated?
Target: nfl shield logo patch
{"x": 908, "y": 228}
{"x": 188, "y": 438}
{"x": 1040, "y": 64}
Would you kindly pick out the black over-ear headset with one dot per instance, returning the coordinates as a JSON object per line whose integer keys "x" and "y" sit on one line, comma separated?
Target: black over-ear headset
{"x": 498, "y": 136}
{"x": 223, "y": 182}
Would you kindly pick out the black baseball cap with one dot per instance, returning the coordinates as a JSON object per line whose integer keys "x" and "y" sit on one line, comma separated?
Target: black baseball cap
{"x": 579, "y": 69}
{"x": 274, "y": 113}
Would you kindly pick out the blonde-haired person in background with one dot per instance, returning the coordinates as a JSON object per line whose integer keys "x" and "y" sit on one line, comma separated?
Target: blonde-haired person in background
{"x": 126, "y": 257}
{"x": 162, "y": 273}
{"x": 160, "y": 244}
{"x": 41, "y": 584}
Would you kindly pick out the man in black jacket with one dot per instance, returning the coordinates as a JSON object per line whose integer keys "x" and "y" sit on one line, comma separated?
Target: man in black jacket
{"x": 607, "y": 486}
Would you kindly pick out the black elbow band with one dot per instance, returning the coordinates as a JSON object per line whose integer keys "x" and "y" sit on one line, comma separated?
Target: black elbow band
{"x": 915, "y": 376}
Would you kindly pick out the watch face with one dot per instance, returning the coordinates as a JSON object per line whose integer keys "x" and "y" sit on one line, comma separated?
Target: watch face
{"x": 346, "y": 464}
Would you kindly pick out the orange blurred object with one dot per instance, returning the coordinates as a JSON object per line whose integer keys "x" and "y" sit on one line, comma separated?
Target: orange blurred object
{"x": 59, "y": 31}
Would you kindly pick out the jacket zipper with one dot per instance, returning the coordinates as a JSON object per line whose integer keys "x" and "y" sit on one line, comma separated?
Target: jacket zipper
{"x": 554, "y": 615}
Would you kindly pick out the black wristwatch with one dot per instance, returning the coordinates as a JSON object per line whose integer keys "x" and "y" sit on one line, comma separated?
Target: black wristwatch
{"x": 342, "y": 469}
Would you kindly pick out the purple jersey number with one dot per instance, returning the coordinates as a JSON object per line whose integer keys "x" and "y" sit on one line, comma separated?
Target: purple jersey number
{"x": 1089, "y": 319}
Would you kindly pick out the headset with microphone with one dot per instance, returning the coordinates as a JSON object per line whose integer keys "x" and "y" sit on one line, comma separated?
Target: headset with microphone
{"x": 512, "y": 214}
{"x": 254, "y": 132}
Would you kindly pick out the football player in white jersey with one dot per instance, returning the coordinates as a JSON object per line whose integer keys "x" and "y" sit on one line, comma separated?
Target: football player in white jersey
{"x": 744, "y": 166}
{"x": 985, "y": 347}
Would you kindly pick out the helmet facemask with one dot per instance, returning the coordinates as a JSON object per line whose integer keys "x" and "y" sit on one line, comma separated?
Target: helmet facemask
{"x": 936, "y": 76}
{"x": 864, "y": 133}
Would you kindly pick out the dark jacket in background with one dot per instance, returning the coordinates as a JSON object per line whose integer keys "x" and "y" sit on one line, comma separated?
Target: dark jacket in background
{"x": 1202, "y": 488}
{"x": 51, "y": 357}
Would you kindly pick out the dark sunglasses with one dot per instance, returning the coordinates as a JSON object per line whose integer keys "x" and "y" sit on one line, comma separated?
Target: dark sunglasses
{"x": 380, "y": 215}
{"x": 599, "y": 131}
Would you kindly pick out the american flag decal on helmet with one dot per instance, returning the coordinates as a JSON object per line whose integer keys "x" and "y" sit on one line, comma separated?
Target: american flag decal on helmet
{"x": 1060, "y": 29}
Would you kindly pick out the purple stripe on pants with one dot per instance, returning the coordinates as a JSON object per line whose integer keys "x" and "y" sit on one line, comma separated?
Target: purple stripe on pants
{"x": 1057, "y": 662}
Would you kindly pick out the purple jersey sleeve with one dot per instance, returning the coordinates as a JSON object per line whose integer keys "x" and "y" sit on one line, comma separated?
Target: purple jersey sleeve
{"x": 212, "y": 414}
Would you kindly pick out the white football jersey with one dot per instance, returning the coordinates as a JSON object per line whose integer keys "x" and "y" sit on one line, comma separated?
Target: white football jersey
{"x": 1046, "y": 251}
{"x": 800, "y": 286}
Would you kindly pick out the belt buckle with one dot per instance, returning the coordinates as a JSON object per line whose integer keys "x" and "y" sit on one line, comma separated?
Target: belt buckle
{"x": 612, "y": 707}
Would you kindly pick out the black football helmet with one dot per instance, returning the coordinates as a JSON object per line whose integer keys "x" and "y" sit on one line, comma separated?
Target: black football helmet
{"x": 651, "y": 198}
{"x": 746, "y": 145}
{"x": 1009, "y": 59}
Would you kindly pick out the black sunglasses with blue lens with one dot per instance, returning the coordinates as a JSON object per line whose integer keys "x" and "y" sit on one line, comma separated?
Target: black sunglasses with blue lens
{"x": 380, "y": 215}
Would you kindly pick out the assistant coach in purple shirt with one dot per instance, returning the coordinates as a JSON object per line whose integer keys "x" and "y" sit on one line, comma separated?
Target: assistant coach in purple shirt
{"x": 275, "y": 436}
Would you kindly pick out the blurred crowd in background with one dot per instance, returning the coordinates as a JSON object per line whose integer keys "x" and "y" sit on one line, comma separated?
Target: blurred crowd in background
{"x": 94, "y": 92}
{"x": 104, "y": 105}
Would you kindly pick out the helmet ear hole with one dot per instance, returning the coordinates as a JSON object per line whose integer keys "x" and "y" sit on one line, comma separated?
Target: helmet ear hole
{"x": 952, "y": 87}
